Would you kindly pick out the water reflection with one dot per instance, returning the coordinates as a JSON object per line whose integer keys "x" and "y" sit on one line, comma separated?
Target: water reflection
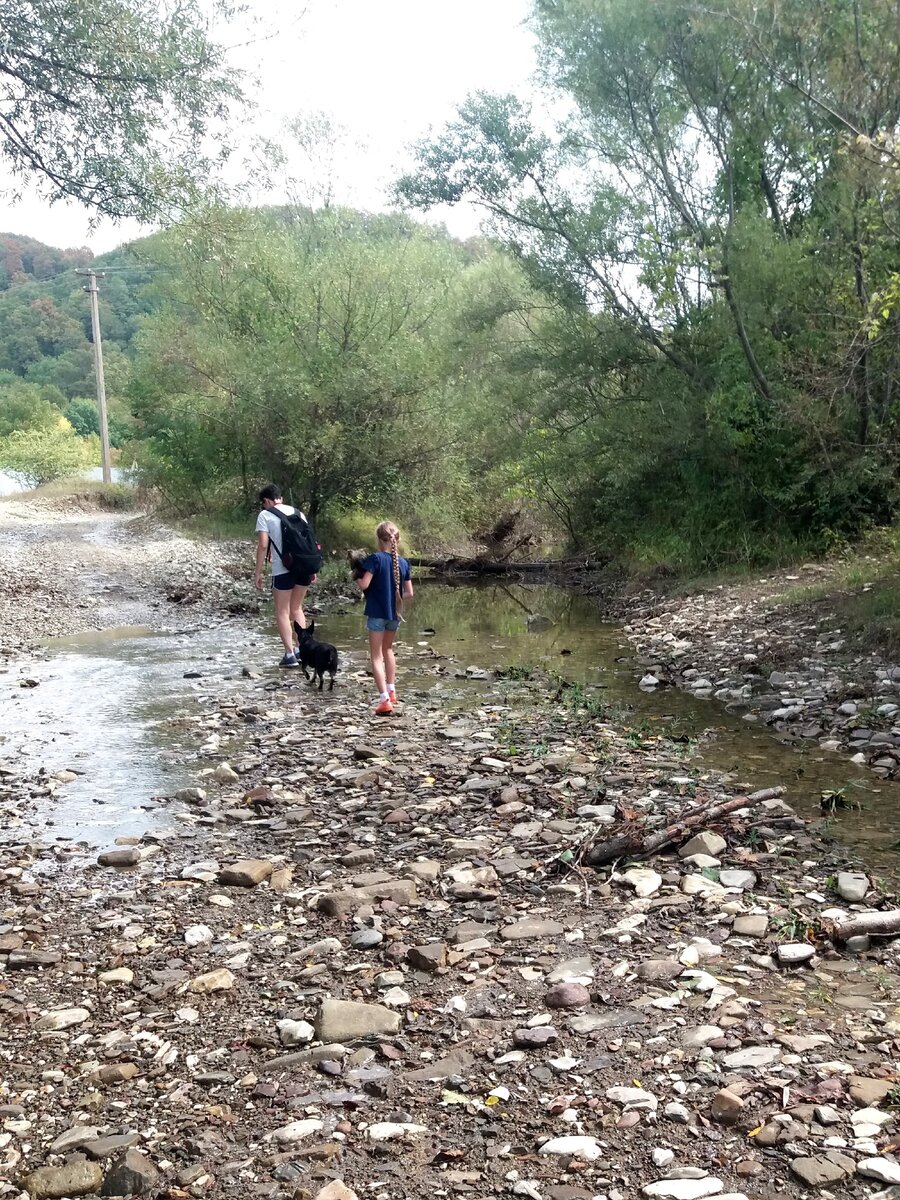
{"x": 118, "y": 706}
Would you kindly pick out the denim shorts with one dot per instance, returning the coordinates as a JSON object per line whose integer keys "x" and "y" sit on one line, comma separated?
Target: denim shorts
{"x": 381, "y": 625}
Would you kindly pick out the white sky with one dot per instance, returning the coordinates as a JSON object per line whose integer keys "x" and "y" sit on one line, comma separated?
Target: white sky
{"x": 386, "y": 70}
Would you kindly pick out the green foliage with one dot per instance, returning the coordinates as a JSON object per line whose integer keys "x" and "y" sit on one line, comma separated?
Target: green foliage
{"x": 107, "y": 101}
{"x": 39, "y": 456}
{"x": 328, "y": 350}
{"x": 23, "y": 406}
{"x": 711, "y": 376}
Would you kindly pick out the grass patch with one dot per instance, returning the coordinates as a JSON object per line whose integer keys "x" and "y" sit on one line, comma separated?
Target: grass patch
{"x": 863, "y": 591}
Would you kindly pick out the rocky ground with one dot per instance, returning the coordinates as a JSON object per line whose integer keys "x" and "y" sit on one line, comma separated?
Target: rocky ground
{"x": 67, "y": 567}
{"x": 790, "y": 667}
{"x": 366, "y": 962}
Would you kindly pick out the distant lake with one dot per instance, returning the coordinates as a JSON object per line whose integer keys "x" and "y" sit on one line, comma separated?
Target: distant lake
{"x": 9, "y": 484}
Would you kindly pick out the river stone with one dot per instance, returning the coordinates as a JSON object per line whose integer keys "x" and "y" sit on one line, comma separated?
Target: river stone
{"x": 795, "y": 953}
{"x": 74, "y": 1139}
{"x": 682, "y": 1189}
{"x": 659, "y": 970}
{"x": 745, "y": 880}
{"x": 113, "y": 1143}
{"x": 753, "y": 1056}
{"x": 818, "y": 1171}
{"x": 869, "y": 1092}
{"x": 129, "y": 857}
{"x": 539, "y": 1036}
{"x": 531, "y": 927}
{"x": 572, "y": 970}
{"x": 297, "y": 1130}
{"x": 613, "y": 1018}
{"x": 72, "y": 1179}
{"x": 62, "y": 1018}
{"x": 386, "y": 1131}
{"x": 117, "y": 975}
{"x": 567, "y": 995}
{"x": 366, "y": 939}
{"x": 727, "y": 1108}
{"x": 852, "y": 886}
{"x": 751, "y": 925}
{"x": 707, "y": 842}
{"x": 702, "y": 1035}
{"x": 633, "y": 1099}
{"x": 213, "y": 981}
{"x": 349, "y": 1020}
{"x": 587, "y": 1148}
{"x": 882, "y": 1169}
{"x": 644, "y": 881}
{"x": 198, "y": 935}
{"x": 429, "y": 958}
{"x": 247, "y": 874}
{"x": 336, "y": 1191}
{"x": 295, "y": 1033}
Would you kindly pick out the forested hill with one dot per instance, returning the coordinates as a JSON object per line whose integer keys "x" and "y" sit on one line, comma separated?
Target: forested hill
{"x": 46, "y": 348}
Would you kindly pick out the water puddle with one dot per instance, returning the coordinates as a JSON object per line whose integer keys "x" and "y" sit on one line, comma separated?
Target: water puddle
{"x": 106, "y": 705}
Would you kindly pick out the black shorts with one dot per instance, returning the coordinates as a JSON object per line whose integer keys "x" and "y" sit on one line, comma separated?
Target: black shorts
{"x": 291, "y": 579}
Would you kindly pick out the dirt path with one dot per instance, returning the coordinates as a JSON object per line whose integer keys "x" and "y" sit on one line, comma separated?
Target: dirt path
{"x": 66, "y": 567}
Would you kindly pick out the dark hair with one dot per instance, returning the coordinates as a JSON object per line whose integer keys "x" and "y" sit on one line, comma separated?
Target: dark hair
{"x": 270, "y": 492}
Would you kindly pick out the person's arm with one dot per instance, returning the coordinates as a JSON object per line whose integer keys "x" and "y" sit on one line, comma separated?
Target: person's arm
{"x": 408, "y": 590}
{"x": 262, "y": 547}
{"x": 364, "y": 580}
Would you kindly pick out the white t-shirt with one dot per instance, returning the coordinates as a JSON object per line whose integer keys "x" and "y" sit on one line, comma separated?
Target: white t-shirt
{"x": 268, "y": 523}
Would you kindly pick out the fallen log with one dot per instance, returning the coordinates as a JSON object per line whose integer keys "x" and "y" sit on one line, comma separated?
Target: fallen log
{"x": 872, "y": 924}
{"x": 485, "y": 566}
{"x": 633, "y": 845}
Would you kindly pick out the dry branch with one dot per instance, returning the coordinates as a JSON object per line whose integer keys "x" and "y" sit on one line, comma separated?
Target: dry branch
{"x": 633, "y": 844}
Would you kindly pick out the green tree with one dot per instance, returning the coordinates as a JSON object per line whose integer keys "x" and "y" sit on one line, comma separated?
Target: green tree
{"x": 39, "y": 456}
{"x": 322, "y": 348}
{"x": 713, "y": 224}
{"x": 107, "y": 101}
{"x": 26, "y": 407}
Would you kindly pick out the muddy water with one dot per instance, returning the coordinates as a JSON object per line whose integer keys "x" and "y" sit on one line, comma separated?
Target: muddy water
{"x": 107, "y": 706}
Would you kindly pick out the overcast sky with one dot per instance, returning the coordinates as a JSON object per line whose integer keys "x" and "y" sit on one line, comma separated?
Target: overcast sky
{"x": 386, "y": 70}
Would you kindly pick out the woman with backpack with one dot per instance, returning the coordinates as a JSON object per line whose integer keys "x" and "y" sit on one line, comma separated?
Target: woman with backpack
{"x": 386, "y": 580}
{"x": 286, "y": 535}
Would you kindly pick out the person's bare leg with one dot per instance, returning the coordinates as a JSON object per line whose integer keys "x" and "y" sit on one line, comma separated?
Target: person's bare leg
{"x": 390, "y": 663}
{"x": 376, "y": 653}
{"x": 283, "y": 620}
{"x": 298, "y": 595}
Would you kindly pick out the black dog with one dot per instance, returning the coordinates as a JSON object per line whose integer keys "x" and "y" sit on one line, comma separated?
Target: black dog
{"x": 356, "y": 558}
{"x": 316, "y": 655}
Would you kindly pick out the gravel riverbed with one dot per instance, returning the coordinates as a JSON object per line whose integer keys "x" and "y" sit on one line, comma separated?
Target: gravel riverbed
{"x": 361, "y": 959}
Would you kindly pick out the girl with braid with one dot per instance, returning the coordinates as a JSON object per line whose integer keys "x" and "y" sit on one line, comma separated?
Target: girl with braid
{"x": 387, "y": 582}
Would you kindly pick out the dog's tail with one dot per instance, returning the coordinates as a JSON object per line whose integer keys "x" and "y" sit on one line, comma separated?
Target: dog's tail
{"x": 332, "y": 667}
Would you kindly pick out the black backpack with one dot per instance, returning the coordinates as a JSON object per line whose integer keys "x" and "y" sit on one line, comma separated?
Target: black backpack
{"x": 299, "y": 550}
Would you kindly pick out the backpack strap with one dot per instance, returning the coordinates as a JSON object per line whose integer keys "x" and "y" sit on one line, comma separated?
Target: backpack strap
{"x": 281, "y": 520}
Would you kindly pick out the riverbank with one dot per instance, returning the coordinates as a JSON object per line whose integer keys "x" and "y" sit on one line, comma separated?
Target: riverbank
{"x": 364, "y": 951}
{"x": 787, "y": 651}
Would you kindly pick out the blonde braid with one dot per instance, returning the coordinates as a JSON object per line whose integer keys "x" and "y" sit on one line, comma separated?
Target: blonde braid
{"x": 395, "y": 567}
{"x": 388, "y": 532}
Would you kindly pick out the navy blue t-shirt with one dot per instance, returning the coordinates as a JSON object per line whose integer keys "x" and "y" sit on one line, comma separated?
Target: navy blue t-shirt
{"x": 380, "y": 598}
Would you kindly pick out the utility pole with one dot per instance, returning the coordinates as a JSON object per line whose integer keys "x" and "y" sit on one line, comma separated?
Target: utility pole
{"x": 94, "y": 293}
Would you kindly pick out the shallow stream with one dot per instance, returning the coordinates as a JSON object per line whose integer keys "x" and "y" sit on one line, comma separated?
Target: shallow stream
{"x": 102, "y": 705}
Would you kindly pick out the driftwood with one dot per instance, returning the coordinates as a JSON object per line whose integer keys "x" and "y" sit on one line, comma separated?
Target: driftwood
{"x": 875, "y": 924}
{"x": 634, "y": 844}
